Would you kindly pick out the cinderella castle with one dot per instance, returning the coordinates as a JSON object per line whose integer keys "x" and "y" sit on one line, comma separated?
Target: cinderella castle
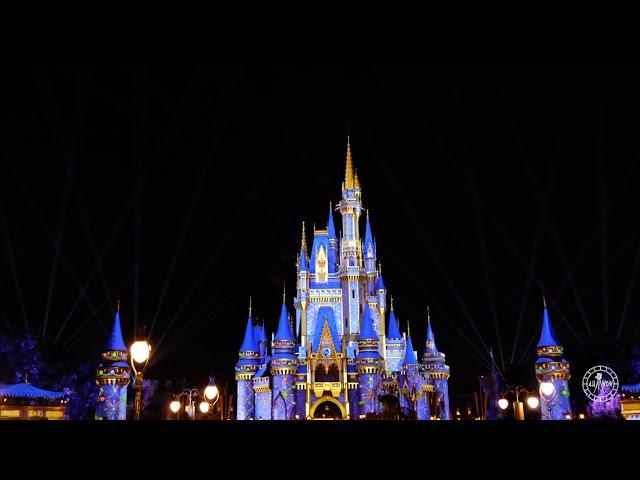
{"x": 340, "y": 360}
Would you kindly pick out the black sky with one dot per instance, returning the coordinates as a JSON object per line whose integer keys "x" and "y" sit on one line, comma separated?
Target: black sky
{"x": 487, "y": 183}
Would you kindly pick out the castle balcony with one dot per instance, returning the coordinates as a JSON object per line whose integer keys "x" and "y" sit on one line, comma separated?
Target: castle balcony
{"x": 320, "y": 387}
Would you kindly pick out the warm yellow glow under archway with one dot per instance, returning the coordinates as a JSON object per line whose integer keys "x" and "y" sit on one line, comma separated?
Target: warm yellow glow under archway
{"x": 330, "y": 400}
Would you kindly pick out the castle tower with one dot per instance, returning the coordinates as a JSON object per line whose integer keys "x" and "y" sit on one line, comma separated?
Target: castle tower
{"x": 395, "y": 344}
{"x": 369, "y": 365}
{"x": 302, "y": 298}
{"x": 113, "y": 377}
{"x": 552, "y": 368}
{"x": 411, "y": 384}
{"x": 434, "y": 362}
{"x": 283, "y": 369}
{"x": 350, "y": 207}
{"x": 245, "y": 371}
{"x": 334, "y": 248}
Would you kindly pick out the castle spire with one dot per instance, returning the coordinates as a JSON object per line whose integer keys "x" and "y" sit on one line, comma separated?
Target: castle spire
{"x": 547, "y": 335}
{"x": 331, "y": 229}
{"x": 303, "y": 245}
{"x": 394, "y": 331}
{"x": 116, "y": 342}
{"x": 348, "y": 176}
{"x": 284, "y": 327}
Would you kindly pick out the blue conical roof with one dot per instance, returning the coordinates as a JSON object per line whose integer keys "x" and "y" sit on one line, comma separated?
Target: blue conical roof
{"x": 331, "y": 229}
{"x": 366, "y": 329}
{"x": 547, "y": 337}
{"x": 430, "y": 339}
{"x": 250, "y": 344}
{"x": 263, "y": 333}
{"x": 394, "y": 331}
{"x": 368, "y": 238}
{"x": 410, "y": 356}
{"x": 303, "y": 265}
{"x": 115, "y": 341}
{"x": 380, "y": 282}
{"x": 284, "y": 329}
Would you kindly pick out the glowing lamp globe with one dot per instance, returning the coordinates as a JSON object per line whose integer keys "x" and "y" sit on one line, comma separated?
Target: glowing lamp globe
{"x": 547, "y": 389}
{"x": 174, "y": 406}
{"x": 204, "y": 407}
{"x": 533, "y": 402}
{"x": 211, "y": 392}
{"x": 140, "y": 351}
{"x": 503, "y": 403}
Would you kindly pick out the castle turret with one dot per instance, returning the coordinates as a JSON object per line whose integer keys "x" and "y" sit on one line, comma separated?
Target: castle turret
{"x": 434, "y": 363}
{"x": 369, "y": 251}
{"x": 112, "y": 376}
{"x": 395, "y": 344}
{"x": 369, "y": 365}
{"x": 334, "y": 249}
{"x": 283, "y": 368}
{"x": 302, "y": 298}
{"x": 351, "y": 268}
{"x": 245, "y": 371}
{"x": 552, "y": 372}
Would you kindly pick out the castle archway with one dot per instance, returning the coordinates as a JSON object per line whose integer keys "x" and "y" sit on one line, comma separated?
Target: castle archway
{"x": 328, "y": 408}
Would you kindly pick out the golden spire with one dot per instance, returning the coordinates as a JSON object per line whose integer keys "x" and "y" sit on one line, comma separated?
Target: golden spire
{"x": 249, "y": 305}
{"x": 303, "y": 246}
{"x": 118, "y": 306}
{"x": 544, "y": 301}
{"x": 392, "y": 303}
{"x": 356, "y": 181}
{"x": 348, "y": 177}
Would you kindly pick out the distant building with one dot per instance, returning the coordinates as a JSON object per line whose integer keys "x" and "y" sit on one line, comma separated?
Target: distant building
{"x": 23, "y": 401}
{"x": 630, "y": 401}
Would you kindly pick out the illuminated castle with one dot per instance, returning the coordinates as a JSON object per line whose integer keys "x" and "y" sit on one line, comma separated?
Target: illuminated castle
{"x": 553, "y": 374}
{"x": 341, "y": 362}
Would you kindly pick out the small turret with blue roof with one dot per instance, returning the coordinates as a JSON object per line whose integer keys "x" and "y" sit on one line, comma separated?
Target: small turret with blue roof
{"x": 113, "y": 376}
{"x": 435, "y": 364}
{"x": 551, "y": 367}
{"x": 246, "y": 368}
{"x": 369, "y": 249}
{"x": 395, "y": 344}
{"x": 283, "y": 366}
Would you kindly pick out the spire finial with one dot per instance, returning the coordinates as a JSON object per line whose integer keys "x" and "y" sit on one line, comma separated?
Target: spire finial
{"x": 284, "y": 292}
{"x": 408, "y": 329}
{"x": 428, "y": 315}
{"x": 303, "y": 246}
{"x": 118, "y": 306}
{"x": 544, "y": 301}
{"x": 392, "y": 303}
{"x": 249, "y": 305}
{"x": 348, "y": 177}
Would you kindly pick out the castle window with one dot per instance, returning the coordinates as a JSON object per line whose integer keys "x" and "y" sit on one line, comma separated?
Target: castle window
{"x": 321, "y": 265}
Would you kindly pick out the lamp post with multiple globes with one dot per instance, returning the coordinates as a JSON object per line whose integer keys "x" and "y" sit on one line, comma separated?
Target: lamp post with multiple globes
{"x": 518, "y": 407}
{"x": 140, "y": 352}
{"x": 211, "y": 397}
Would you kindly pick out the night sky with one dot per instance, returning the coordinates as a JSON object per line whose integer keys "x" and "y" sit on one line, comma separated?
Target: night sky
{"x": 180, "y": 188}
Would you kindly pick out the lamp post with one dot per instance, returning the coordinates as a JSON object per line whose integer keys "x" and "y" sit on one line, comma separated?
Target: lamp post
{"x": 549, "y": 393}
{"x": 190, "y": 407}
{"x": 140, "y": 352}
{"x": 518, "y": 407}
{"x": 212, "y": 395}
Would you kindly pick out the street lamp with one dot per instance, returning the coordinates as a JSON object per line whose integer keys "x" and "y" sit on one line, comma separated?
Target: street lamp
{"x": 518, "y": 406}
{"x": 174, "y": 406}
{"x": 190, "y": 407}
{"x": 549, "y": 393}
{"x": 212, "y": 395}
{"x": 140, "y": 352}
